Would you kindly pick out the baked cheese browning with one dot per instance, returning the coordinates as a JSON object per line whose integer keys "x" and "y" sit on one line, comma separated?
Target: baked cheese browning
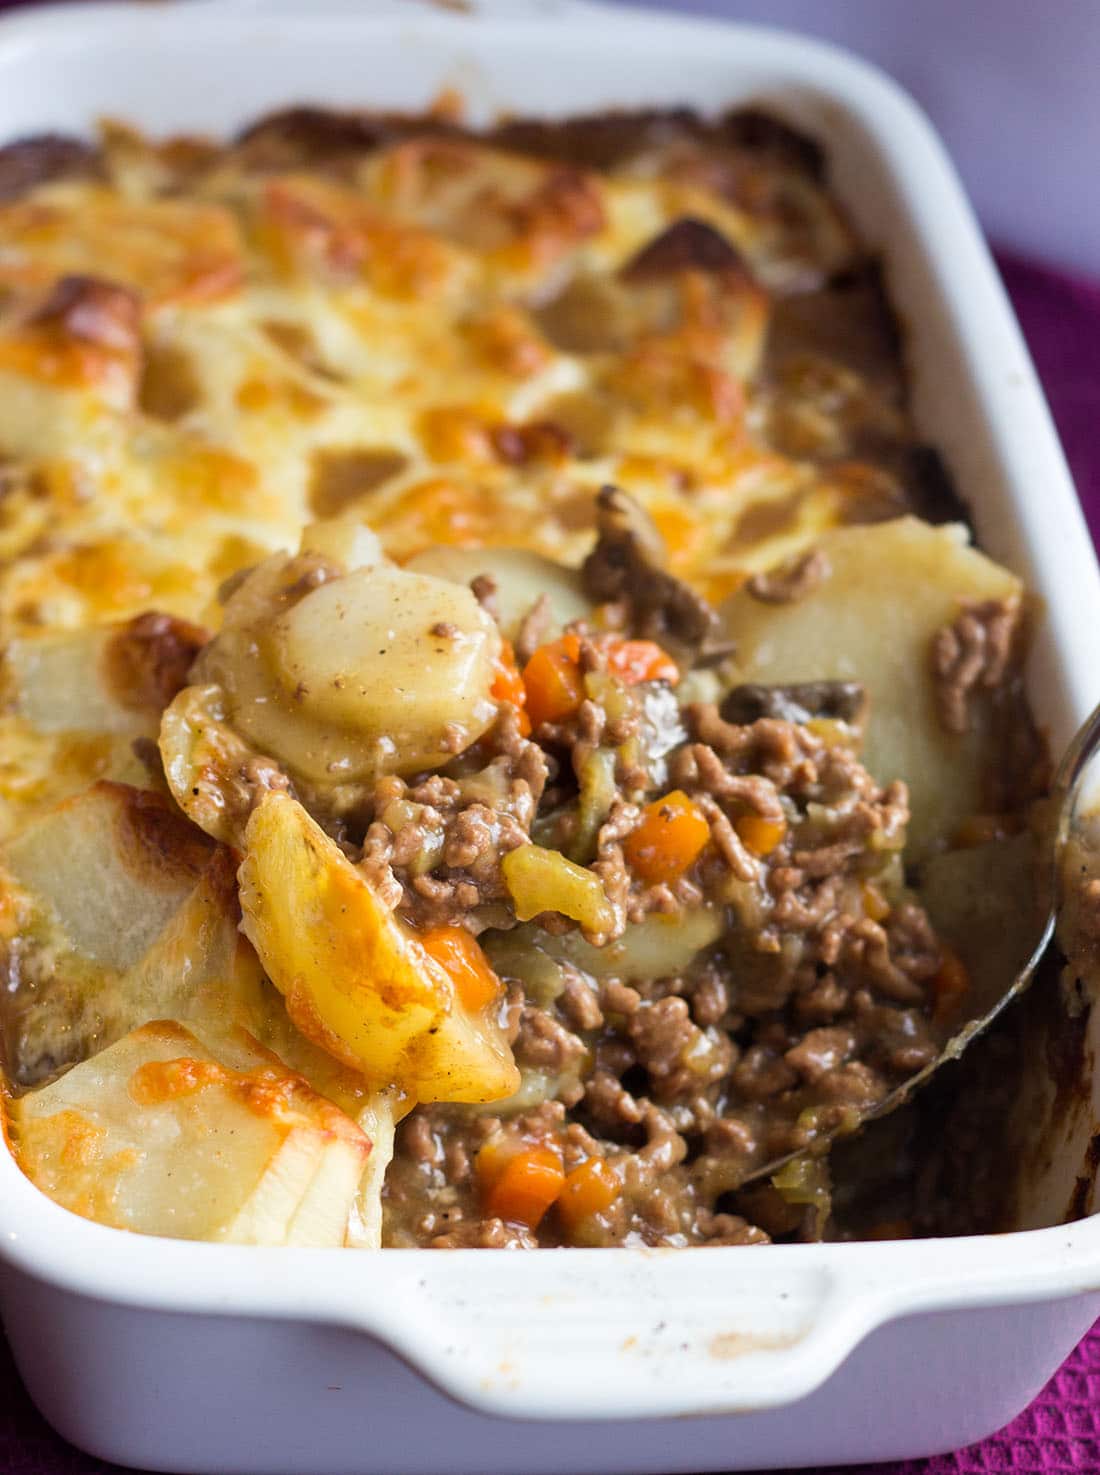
{"x": 461, "y": 339}
{"x": 203, "y": 348}
{"x": 164, "y": 1135}
{"x": 468, "y": 656}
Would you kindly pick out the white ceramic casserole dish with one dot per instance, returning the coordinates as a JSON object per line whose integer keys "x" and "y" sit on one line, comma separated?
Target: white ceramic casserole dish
{"x": 193, "y": 1357}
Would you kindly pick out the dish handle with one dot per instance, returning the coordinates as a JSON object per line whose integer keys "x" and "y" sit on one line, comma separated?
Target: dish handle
{"x": 610, "y": 1334}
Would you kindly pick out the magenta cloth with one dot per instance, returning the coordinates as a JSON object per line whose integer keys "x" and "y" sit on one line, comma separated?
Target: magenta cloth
{"x": 1060, "y": 1432}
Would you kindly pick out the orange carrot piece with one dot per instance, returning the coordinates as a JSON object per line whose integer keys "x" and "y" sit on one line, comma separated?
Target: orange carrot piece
{"x": 758, "y": 835}
{"x": 633, "y": 661}
{"x": 553, "y": 682}
{"x": 527, "y": 1185}
{"x": 462, "y": 959}
{"x": 668, "y": 838}
{"x": 508, "y": 685}
{"x": 589, "y": 1189}
{"x": 492, "y": 1158}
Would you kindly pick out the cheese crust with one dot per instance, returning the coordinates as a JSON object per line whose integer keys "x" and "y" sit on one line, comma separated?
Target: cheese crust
{"x": 459, "y": 337}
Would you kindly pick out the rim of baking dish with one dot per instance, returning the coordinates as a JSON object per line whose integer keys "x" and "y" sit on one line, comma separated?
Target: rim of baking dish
{"x": 609, "y": 1334}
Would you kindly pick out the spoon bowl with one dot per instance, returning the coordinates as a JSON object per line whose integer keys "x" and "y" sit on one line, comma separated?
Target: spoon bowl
{"x": 1068, "y": 804}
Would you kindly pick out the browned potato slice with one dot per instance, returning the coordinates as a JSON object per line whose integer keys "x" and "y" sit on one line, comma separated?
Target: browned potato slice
{"x": 108, "y": 679}
{"x": 356, "y": 980}
{"x": 112, "y": 866}
{"x": 204, "y": 761}
{"x": 892, "y": 586}
{"x": 128, "y": 915}
{"x": 120, "y": 912}
{"x": 163, "y": 1135}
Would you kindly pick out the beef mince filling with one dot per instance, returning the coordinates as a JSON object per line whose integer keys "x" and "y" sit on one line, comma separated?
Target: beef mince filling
{"x": 800, "y": 988}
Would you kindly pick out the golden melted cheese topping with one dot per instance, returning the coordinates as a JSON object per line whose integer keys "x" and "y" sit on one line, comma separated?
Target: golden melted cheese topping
{"x": 462, "y": 338}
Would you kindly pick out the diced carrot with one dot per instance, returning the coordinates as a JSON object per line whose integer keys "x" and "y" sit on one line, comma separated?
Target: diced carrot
{"x": 874, "y": 903}
{"x": 668, "y": 838}
{"x": 758, "y": 835}
{"x": 555, "y": 684}
{"x": 589, "y": 1189}
{"x": 507, "y": 682}
{"x": 633, "y": 661}
{"x": 950, "y": 983}
{"x": 462, "y": 959}
{"x": 553, "y": 681}
{"x": 508, "y": 685}
{"x": 493, "y": 1157}
{"x": 528, "y": 1184}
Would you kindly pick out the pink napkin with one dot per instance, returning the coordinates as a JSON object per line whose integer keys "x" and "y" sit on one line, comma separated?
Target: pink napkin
{"x": 1060, "y": 1432}
{"x": 1060, "y": 316}
{"x": 1058, "y": 1435}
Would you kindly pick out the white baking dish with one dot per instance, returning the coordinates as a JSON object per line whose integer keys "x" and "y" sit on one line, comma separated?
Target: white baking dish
{"x": 192, "y": 1357}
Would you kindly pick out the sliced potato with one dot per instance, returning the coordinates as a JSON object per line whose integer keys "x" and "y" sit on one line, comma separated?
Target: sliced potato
{"x": 356, "y": 980}
{"x": 56, "y": 682}
{"x": 112, "y": 865}
{"x": 123, "y": 913}
{"x": 164, "y": 1135}
{"x": 378, "y": 1120}
{"x": 204, "y": 762}
{"x": 134, "y": 930}
{"x": 892, "y": 586}
{"x": 106, "y": 679}
{"x": 521, "y": 579}
{"x": 263, "y": 1011}
{"x": 389, "y": 653}
{"x": 659, "y": 947}
{"x": 127, "y": 915}
{"x": 341, "y": 676}
{"x": 346, "y": 541}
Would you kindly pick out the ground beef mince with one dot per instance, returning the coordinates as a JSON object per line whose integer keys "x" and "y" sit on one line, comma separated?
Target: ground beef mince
{"x": 435, "y": 846}
{"x": 769, "y": 985}
{"x": 972, "y": 654}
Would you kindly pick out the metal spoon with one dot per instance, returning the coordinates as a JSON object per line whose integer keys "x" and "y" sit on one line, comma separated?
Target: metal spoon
{"x": 1066, "y": 791}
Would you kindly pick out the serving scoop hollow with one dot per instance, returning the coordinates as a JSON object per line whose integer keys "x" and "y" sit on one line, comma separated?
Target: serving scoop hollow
{"x": 1062, "y": 838}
